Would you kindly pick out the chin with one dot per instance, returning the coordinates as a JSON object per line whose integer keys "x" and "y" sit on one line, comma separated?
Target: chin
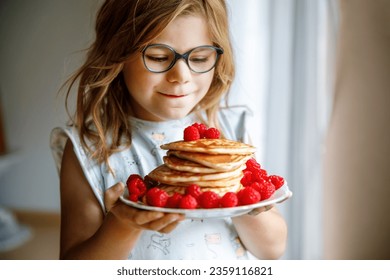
{"x": 176, "y": 114}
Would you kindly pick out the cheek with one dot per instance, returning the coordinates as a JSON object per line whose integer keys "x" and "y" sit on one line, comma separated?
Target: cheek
{"x": 206, "y": 81}
{"x": 137, "y": 79}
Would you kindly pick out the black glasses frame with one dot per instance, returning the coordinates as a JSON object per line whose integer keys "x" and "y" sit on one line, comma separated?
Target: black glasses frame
{"x": 184, "y": 56}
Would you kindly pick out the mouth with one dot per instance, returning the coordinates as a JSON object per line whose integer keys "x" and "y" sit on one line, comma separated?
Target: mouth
{"x": 173, "y": 95}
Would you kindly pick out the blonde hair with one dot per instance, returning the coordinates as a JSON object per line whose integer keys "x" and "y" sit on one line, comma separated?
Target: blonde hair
{"x": 122, "y": 28}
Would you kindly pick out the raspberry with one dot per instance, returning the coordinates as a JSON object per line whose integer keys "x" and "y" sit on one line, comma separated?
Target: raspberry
{"x": 193, "y": 190}
{"x": 209, "y": 199}
{"x": 133, "y": 197}
{"x": 229, "y": 199}
{"x": 156, "y": 197}
{"x": 267, "y": 189}
{"x": 247, "y": 178}
{"x": 248, "y": 195}
{"x": 259, "y": 174}
{"x": 174, "y": 200}
{"x": 212, "y": 133}
{"x": 255, "y": 185}
{"x": 188, "y": 202}
{"x": 201, "y": 127}
{"x": 191, "y": 133}
{"x": 278, "y": 181}
{"x": 136, "y": 185}
{"x": 252, "y": 164}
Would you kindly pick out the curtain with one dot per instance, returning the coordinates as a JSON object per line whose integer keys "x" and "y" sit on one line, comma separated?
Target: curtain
{"x": 250, "y": 36}
{"x": 285, "y": 59}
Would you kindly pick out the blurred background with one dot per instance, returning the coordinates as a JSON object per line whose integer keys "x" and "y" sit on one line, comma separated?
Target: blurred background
{"x": 315, "y": 74}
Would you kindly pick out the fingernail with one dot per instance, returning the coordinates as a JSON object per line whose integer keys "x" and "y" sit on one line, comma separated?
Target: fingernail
{"x": 254, "y": 212}
{"x": 176, "y": 218}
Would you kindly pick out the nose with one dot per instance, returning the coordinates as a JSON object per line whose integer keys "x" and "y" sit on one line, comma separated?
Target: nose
{"x": 179, "y": 73}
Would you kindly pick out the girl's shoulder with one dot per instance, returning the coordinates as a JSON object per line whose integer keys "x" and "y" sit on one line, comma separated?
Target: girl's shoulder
{"x": 235, "y": 122}
{"x": 58, "y": 138}
{"x": 92, "y": 170}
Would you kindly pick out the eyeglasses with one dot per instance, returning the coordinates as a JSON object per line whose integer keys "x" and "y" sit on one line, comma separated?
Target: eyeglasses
{"x": 159, "y": 58}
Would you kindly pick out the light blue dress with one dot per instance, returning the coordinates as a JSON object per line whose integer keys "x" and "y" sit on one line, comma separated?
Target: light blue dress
{"x": 192, "y": 239}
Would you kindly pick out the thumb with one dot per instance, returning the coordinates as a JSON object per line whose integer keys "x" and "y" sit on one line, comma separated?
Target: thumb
{"x": 112, "y": 195}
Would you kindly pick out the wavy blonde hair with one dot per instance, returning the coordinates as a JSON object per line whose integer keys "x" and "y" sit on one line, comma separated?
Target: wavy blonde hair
{"x": 122, "y": 28}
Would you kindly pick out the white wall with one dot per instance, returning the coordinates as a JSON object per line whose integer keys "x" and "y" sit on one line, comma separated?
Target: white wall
{"x": 39, "y": 40}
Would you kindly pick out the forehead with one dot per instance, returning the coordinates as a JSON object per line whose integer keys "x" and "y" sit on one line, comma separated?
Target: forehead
{"x": 185, "y": 33}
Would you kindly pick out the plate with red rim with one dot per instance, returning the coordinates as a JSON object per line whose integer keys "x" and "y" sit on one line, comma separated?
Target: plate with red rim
{"x": 279, "y": 196}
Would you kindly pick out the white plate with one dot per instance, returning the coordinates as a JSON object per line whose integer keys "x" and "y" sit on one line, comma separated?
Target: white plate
{"x": 280, "y": 195}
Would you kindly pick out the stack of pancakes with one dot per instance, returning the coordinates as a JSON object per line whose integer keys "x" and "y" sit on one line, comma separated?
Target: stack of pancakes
{"x": 212, "y": 164}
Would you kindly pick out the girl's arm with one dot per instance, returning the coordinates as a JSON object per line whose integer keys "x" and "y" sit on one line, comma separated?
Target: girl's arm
{"x": 86, "y": 232}
{"x": 264, "y": 235}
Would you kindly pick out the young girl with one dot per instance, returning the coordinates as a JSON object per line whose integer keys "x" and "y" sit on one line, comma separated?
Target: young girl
{"x": 155, "y": 68}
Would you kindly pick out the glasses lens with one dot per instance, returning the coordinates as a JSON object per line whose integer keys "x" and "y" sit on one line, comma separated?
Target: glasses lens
{"x": 158, "y": 58}
{"x": 202, "y": 59}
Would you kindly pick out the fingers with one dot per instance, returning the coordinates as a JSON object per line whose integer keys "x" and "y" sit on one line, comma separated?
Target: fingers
{"x": 165, "y": 224}
{"x": 136, "y": 218}
{"x": 169, "y": 227}
{"x": 257, "y": 211}
{"x": 140, "y": 217}
{"x": 146, "y": 220}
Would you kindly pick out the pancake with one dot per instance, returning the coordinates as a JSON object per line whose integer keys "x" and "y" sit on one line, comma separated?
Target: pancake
{"x": 212, "y": 164}
{"x": 210, "y": 146}
{"x": 222, "y": 183}
{"x": 171, "y": 189}
{"x": 166, "y": 175}
{"x": 221, "y": 162}
{"x": 179, "y": 164}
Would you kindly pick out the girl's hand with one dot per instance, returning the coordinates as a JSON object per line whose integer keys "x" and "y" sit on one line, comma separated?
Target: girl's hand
{"x": 259, "y": 210}
{"x": 133, "y": 218}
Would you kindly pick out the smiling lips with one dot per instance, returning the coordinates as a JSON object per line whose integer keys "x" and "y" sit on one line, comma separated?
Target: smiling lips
{"x": 173, "y": 95}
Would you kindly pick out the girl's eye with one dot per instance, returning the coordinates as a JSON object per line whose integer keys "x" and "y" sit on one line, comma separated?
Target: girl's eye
{"x": 200, "y": 59}
{"x": 157, "y": 58}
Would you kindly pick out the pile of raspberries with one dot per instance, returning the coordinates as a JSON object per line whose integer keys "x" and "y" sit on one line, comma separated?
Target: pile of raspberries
{"x": 257, "y": 186}
{"x": 198, "y": 131}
